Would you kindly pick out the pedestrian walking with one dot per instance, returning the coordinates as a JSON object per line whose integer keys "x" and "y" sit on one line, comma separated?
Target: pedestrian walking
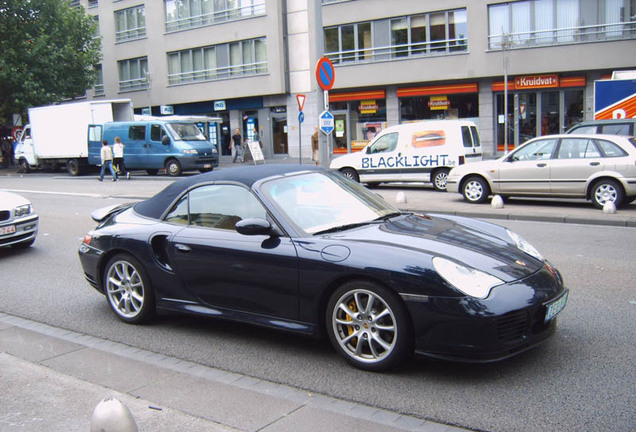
{"x": 315, "y": 150}
{"x": 107, "y": 161}
{"x": 118, "y": 158}
{"x": 237, "y": 146}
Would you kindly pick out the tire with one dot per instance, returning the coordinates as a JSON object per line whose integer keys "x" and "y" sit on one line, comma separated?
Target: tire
{"x": 73, "y": 167}
{"x": 607, "y": 190}
{"x": 350, "y": 173}
{"x": 475, "y": 190}
{"x": 375, "y": 339}
{"x": 24, "y": 166}
{"x": 439, "y": 179}
{"x": 173, "y": 168}
{"x": 128, "y": 290}
{"x": 152, "y": 171}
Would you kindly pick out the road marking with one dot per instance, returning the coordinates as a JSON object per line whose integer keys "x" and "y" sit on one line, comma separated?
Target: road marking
{"x": 54, "y": 193}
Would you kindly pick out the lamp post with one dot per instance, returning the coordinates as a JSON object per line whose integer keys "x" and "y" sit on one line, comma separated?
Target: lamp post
{"x": 505, "y": 46}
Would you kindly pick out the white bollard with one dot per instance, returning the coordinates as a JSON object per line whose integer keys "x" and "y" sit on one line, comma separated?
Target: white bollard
{"x": 110, "y": 415}
{"x": 400, "y": 198}
{"x": 609, "y": 207}
{"x": 497, "y": 202}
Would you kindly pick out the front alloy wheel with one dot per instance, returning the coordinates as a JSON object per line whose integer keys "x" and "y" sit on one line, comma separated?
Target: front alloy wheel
{"x": 475, "y": 190}
{"x": 368, "y": 326}
{"x": 128, "y": 289}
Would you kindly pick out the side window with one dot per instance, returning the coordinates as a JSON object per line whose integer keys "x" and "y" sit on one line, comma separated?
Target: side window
{"x": 217, "y": 206}
{"x": 616, "y": 129}
{"x": 467, "y": 137}
{"x": 475, "y": 133}
{"x": 575, "y": 148}
{"x": 537, "y": 150}
{"x": 179, "y": 213}
{"x": 385, "y": 143}
{"x": 610, "y": 149}
{"x": 95, "y": 133}
{"x": 137, "y": 133}
{"x": 156, "y": 132}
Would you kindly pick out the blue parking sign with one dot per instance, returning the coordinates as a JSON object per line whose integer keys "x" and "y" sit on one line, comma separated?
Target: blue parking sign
{"x": 326, "y": 122}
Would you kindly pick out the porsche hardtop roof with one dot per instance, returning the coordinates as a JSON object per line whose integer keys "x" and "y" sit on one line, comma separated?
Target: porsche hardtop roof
{"x": 247, "y": 175}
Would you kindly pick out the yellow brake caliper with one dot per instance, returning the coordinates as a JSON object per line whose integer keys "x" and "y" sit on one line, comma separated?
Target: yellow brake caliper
{"x": 352, "y": 306}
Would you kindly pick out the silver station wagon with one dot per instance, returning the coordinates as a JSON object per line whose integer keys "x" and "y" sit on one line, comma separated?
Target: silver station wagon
{"x": 599, "y": 168}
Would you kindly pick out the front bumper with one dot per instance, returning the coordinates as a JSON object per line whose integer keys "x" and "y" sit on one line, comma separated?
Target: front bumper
{"x": 509, "y": 321}
{"x": 198, "y": 162}
{"x": 26, "y": 229}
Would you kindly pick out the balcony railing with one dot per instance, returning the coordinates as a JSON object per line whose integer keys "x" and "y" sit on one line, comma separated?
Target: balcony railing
{"x": 395, "y": 52}
{"x": 215, "y": 17}
{"x": 218, "y": 73}
{"x": 133, "y": 84}
{"x": 130, "y": 34}
{"x": 566, "y": 35}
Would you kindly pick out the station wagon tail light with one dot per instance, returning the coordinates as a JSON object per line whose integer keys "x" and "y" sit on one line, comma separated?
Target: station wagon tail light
{"x": 462, "y": 160}
{"x": 87, "y": 239}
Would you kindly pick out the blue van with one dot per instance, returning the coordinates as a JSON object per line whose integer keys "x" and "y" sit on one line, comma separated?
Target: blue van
{"x": 152, "y": 145}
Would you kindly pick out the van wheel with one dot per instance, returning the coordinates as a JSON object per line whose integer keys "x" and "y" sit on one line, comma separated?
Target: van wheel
{"x": 173, "y": 168}
{"x": 439, "y": 179}
{"x": 350, "y": 173}
{"x": 73, "y": 167}
{"x": 475, "y": 190}
{"x": 24, "y": 166}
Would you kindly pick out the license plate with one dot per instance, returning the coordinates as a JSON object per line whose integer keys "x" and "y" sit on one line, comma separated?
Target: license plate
{"x": 555, "y": 307}
{"x": 207, "y": 166}
{"x": 7, "y": 230}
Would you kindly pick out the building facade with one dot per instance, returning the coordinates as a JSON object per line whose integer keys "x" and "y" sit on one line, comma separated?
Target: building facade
{"x": 244, "y": 61}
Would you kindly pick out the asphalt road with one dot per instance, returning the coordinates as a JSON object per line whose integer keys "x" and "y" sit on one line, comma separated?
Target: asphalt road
{"x": 582, "y": 379}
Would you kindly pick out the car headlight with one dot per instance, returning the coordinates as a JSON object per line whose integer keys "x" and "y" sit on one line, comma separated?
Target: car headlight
{"x": 190, "y": 151}
{"x": 523, "y": 245}
{"x": 470, "y": 281}
{"x": 23, "y": 210}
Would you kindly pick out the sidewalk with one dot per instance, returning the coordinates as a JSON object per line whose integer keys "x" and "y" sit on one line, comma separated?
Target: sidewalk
{"x": 52, "y": 379}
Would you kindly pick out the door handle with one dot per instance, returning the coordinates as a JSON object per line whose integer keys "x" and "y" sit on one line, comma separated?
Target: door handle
{"x": 595, "y": 163}
{"x": 541, "y": 165}
{"x": 182, "y": 248}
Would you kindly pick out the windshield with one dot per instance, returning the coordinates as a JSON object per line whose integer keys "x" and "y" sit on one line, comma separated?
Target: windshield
{"x": 323, "y": 201}
{"x": 186, "y": 132}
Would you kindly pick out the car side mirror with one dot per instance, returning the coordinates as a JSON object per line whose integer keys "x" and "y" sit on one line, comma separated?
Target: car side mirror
{"x": 165, "y": 140}
{"x": 254, "y": 226}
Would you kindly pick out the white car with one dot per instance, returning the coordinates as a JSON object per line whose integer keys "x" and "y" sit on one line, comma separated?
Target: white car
{"x": 599, "y": 168}
{"x": 18, "y": 221}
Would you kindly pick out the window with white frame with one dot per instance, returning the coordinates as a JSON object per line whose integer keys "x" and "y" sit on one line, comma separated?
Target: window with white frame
{"x": 433, "y": 33}
{"x": 130, "y": 24}
{"x": 133, "y": 74}
{"x": 99, "y": 80}
{"x": 184, "y": 14}
{"x": 247, "y": 57}
{"x": 553, "y": 22}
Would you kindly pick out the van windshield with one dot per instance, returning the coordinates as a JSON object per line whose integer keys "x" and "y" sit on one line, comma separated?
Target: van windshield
{"x": 186, "y": 132}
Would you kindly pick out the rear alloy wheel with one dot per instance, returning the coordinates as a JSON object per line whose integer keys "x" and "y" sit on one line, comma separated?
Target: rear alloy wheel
{"x": 173, "y": 168}
{"x": 350, "y": 173}
{"x": 607, "y": 190}
{"x": 440, "y": 178}
{"x": 369, "y": 326}
{"x": 475, "y": 190}
{"x": 128, "y": 289}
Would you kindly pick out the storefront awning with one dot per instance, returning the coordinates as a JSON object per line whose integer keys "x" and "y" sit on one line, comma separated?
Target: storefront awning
{"x": 438, "y": 90}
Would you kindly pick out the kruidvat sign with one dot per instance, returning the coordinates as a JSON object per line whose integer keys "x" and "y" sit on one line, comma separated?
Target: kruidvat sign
{"x": 413, "y": 161}
{"x": 535, "y": 82}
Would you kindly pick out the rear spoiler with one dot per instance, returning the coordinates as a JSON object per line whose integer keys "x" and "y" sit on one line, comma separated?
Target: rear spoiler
{"x": 100, "y": 214}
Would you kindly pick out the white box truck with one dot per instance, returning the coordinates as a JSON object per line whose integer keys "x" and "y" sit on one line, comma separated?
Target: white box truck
{"x": 58, "y": 134}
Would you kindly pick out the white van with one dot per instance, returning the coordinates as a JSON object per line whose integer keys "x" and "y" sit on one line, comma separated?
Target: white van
{"x": 413, "y": 152}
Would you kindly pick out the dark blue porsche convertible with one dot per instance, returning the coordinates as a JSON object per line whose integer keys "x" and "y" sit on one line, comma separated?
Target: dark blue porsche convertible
{"x": 307, "y": 250}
